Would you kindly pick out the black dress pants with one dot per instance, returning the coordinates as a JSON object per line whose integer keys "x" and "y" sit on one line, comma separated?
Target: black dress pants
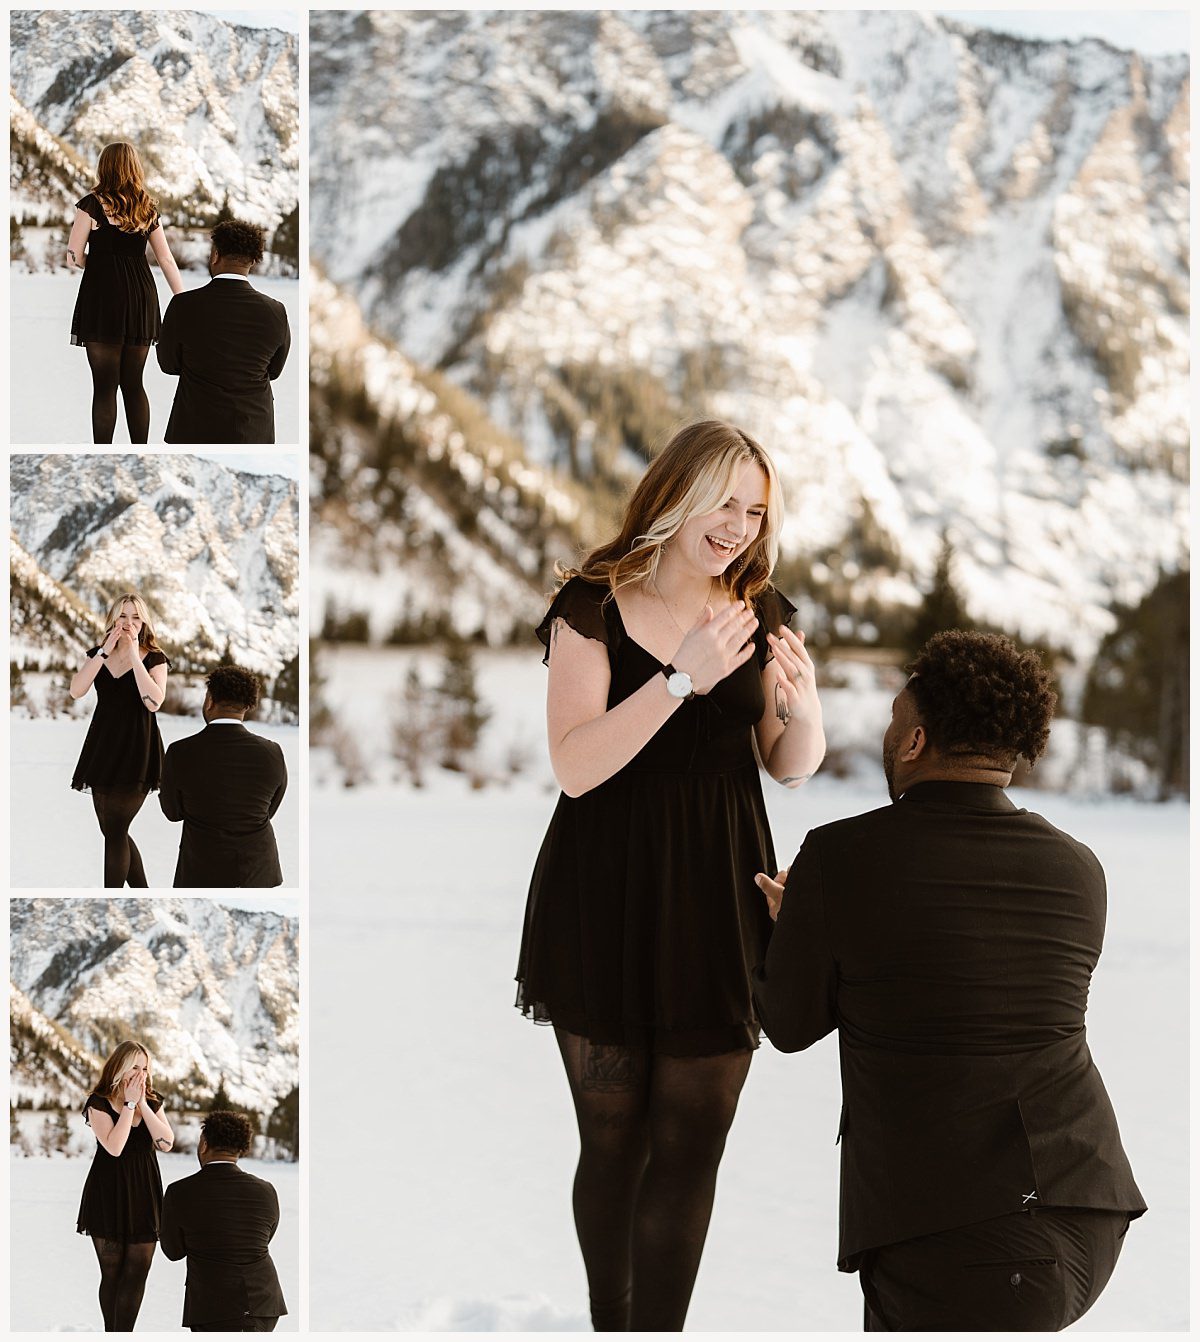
{"x": 1030, "y": 1271}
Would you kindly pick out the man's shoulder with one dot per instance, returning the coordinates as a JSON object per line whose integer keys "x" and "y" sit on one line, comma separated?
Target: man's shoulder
{"x": 855, "y": 828}
{"x": 1068, "y": 841}
{"x": 183, "y": 1187}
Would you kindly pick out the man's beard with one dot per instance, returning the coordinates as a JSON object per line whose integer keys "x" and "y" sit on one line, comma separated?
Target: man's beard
{"x": 889, "y": 769}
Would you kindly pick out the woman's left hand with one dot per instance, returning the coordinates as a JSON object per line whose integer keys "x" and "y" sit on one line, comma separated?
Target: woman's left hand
{"x": 795, "y": 674}
{"x": 125, "y": 639}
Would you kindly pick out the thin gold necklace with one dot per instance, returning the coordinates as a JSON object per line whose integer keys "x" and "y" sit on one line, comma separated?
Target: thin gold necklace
{"x": 663, "y": 599}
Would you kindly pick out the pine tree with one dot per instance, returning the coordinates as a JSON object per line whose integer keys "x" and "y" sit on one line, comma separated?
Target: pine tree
{"x": 220, "y": 1099}
{"x": 286, "y": 689}
{"x": 942, "y": 606}
{"x": 1137, "y": 689}
{"x": 62, "y": 1132}
{"x": 320, "y": 718}
{"x": 46, "y": 1142}
{"x": 283, "y": 1126}
{"x": 463, "y": 716}
{"x": 411, "y": 727}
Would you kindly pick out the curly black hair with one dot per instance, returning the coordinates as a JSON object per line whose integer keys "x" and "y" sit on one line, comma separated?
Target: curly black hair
{"x": 236, "y": 240}
{"x": 226, "y": 1131}
{"x": 979, "y": 694}
{"x": 234, "y": 685}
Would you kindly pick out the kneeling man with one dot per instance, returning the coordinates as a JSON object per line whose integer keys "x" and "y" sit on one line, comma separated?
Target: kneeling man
{"x": 950, "y": 940}
{"x": 225, "y": 783}
{"x": 222, "y": 1220}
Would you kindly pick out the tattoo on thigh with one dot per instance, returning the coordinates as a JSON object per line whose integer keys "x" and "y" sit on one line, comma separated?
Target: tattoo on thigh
{"x": 608, "y": 1067}
{"x": 782, "y": 711}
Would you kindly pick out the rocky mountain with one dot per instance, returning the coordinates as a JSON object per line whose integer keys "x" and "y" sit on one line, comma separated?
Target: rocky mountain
{"x": 942, "y": 273}
{"x": 211, "y": 991}
{"x": 212, "y": 107}
{"x": 214, "y": 551}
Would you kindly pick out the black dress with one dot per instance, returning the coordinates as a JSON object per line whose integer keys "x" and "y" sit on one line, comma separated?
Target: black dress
{"x": 117, "y": 303}
{"x": 643, "y": 921}
{"x": 123, "y": 747}
{"x": 123, "y": 1195}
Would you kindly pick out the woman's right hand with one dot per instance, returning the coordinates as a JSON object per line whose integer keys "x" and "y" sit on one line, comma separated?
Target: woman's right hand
{"x": 716, "y": 645}
{"x": 135, "y": 1088}
{"x": 110, "y": 643}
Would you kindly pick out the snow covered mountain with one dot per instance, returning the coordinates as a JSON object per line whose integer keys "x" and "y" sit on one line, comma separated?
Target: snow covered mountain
{"x": 211, "y": 991}
{"x": 213, "y": 550}
{"x": 212, "y": 106}
{"x": 941, "y": 272}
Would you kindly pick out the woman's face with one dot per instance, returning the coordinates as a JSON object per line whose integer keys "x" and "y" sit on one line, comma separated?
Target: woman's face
{"x": 712, "y": 541}
{"x": 130, "y": 619}
{"x": 139, "y": 1067}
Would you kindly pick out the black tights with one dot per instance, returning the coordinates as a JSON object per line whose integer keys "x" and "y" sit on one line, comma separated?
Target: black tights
{"x": 123, "y": 1272}
{"x": 652, "y": 1130}
{"x": 118, "y": 367}
{"x": 115, "y": 809}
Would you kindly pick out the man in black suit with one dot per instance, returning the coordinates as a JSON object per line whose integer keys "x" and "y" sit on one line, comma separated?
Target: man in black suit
{"x": 226, "y": 343}
{"x": 225, "y": 783}
{"x": 222, "y": 1220}
{"x": 950, "y": 940}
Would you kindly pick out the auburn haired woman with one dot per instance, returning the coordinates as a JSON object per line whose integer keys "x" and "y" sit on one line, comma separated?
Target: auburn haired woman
{"x": 116, "y": 316}
{"x": 670, "y": 661}
{"x": 122, "y": 756}
{"x": 122, "y": 1198}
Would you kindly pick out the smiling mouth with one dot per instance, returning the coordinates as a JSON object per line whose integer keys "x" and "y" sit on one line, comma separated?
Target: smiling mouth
{"x": 722, "y": 547}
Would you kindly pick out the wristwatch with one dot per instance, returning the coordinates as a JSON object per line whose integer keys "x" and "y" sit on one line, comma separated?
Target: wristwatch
{"x": 679, "y": 683}
{"x": 102, "y": 655}
{"x": 131, "y": 1105}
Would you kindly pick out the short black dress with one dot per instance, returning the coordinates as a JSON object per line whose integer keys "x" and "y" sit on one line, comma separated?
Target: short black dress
{"x": 123, "y": 747}
{"x": 123, "y": 1195}
{"x": 643, "y": 922}
{"x": 117, "y": 303}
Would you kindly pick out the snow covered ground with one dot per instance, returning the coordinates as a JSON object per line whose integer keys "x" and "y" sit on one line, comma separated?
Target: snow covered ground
{"x": 53, "y": 1272}
{"x": 55, "y": 840}
{"x": 456, "y": 1215}
{"x": 51, "y": 387}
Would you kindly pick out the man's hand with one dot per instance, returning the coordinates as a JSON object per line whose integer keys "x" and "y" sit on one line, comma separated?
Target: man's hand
{"x": 773, "y": 889}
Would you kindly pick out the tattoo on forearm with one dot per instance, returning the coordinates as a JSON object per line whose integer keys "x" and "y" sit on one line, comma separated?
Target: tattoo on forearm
{"x": 71, "y": 254}
{"x": 782, "y": 711}
{"x": 150, "y": 700}
{"x": 162, "y": 1143}
{"x": 795, "y": 778}
{"x": 608, "y": 1067}
{"x": 554, "y": 628}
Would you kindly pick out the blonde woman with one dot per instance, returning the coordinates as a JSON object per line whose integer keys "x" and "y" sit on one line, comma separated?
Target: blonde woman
{"x": 122, "y": 756}
{"x": 116, "y": 316}
{"x": 670, "y": 662}
{"x": 122, "y": 1199}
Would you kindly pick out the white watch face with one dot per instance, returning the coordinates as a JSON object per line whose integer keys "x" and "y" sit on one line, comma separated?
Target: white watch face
{"x": 680, "y": 684}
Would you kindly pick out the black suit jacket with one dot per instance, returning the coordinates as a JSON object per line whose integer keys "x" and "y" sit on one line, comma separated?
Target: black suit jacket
{"x": 225, "y": 783}
{"x": 950, "y": 940}
{"x": 226, "y": 343}
{"x": 222, "y": 1219}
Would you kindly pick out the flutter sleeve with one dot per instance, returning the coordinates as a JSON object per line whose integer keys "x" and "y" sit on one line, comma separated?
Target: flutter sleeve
{"x": 773, "y": 609}
{"x": 95, "y": 1101}
{"x": 90, "y": 205}
{"x": 156, "y": 657}
{"x": 581, "y": 604}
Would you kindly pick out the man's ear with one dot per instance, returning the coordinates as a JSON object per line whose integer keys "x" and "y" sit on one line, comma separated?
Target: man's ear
{"x": 914, "y": 747}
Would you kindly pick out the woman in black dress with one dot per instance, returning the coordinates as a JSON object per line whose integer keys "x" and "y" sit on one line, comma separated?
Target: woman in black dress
{"x": 116, "y": 316}
{"x": 122, "y": 756}
{"x": 122, "y": 1198}
{"x": 670, "y": 660}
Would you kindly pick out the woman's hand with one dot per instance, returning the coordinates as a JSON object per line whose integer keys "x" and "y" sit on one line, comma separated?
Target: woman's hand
{"x": 716, "y": 645}
{"x": 126, "y": 641}
{"x": 135, "y": 1088}
{"x": 109, "y": 645}
{"x": 795, "y": 676}
{"x": 773, "y": 889}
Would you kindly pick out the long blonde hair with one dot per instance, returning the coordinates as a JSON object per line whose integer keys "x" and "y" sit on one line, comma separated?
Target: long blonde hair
{"x": 693, "y": 475}
{"x": 121, "y": 189}
{"x": 117, "y": 1068}
{"x": 146, "y": 638}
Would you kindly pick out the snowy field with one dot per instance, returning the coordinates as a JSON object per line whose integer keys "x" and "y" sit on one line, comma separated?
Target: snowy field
{"x": 53, "y": 1272}
{"x": 51, "y": 386}
{"x": 462, "y": 1215}
{"x": 55, "y": 840}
